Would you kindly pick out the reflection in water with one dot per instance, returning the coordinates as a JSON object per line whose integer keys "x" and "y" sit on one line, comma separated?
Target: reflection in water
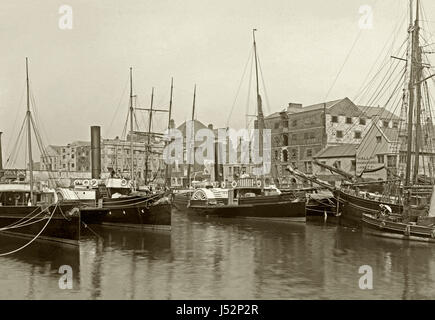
{"x": 212, "y": 258}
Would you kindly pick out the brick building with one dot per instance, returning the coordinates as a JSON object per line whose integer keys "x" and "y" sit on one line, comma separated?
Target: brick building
{"x": 299, "y": 133}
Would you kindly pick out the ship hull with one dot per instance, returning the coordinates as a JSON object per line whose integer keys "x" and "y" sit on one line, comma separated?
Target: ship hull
{"x": 63, "y": 227}
{"x": 131, "y": 212}
{"x": 279, "y": 211}
{"x": 351, "y": 208}
{"x": 321, "y": 208}
{"x": 397, "y": 230}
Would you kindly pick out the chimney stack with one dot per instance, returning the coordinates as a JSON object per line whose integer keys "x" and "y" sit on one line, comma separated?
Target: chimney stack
{"x": 96, "y": 152}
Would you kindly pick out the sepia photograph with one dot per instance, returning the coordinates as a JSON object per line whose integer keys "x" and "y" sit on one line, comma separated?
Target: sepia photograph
{"x": 216, "y": 155}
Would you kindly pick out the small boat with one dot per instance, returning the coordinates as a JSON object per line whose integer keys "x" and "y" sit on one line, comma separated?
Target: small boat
{"x": 320, "y": 200}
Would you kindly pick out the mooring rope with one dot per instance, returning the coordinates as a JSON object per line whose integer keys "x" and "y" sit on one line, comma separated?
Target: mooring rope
{"x": 19, "y": 221}
{"x": 34, "y": 238}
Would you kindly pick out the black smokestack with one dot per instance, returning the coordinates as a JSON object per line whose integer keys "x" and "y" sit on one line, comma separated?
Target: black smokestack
{"x": 96, "y": 152}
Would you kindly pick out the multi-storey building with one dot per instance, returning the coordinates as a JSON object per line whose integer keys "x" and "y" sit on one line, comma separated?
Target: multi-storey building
{"x": 299, "y": 133}
{"x": 72, "y": 157}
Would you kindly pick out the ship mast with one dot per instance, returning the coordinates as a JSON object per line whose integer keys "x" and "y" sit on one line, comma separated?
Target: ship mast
{"x": 418, "y": 84}
{"x": 415, "y": 66}
{"x": 169, "y": 128}
{"x": 148, "y": 149}
{"x": 260, "y": 116}
{"x": 131, "y": 126}
{"x": 29, "y": 134}
{"x": 193, "y": 133}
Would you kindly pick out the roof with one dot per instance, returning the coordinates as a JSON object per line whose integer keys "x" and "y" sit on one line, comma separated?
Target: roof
{"x": 196, "y": 124}
{"x": 318, "y": 106}
{"x": 391, "y": 134}
{"x": 382, "y": 113}
{"x": 342, "y": 104}
{"x": 339, "y": 151}
{"x": 275, "y": 114}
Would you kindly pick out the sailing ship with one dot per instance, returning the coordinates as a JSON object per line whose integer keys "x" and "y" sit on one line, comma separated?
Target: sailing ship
{"x": 30, "y": 209}
{"x": 405, "y": 209}
{"x": 245, "y": 197}
{"x": 117, "y": 201}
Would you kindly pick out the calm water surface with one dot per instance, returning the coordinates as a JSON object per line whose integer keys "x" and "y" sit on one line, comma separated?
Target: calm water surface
{"x": 222, "y": 259}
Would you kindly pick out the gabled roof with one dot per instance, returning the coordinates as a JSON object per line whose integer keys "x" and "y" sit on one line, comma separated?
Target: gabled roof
{"x": 382, "y": 113}
{"x": 391, "y": 134}
{"x": 196, "y": 124}
{"x": 318, "y": 106}
{"x": 340, "y": 151}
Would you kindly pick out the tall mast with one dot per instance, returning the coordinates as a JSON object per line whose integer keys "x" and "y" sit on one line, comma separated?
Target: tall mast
{"x": 418, "y": 84}
{"x": 29, "y": 133}
{"x": 260, "y": 116}
{"x": 169, "y": 128}
{"x": 412, "y": 80}
{"x": 193, "y": 128}
{"x": 148, "y": 149}
{"x": 131, "y": 126}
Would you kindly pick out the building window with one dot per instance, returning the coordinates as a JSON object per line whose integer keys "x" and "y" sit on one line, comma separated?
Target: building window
{"x": 385, "y": 123}
{"x": 402, "y": 158}
{"x": 395, "y": 125}
{"x": 308, "y": 167}
{"x": 294, "y": 153}
{"x": 306, "y": 136}
{"x": 294, "y": 137}
{"x": 378, "y": 139}
{"x": 294, "y": 123}
{"x": 348, "y": 120}
{"x": 276, "y": 125}
{"x": 334, "y": 119}
{"x": 362, "y": 121}
{"x": 285, "y": 124}
{"x": 391, "y": 161}
{"x": 285, "y": 140}
{"x": 353, "y": 165}
{"x": 380, "y": 158}
{"x": 357, "y": 135}
{"x": 284, "y": 155}
{"x": 309, "y": 153}
{"x": 337, "y": 164}
{"x": 339, "y": 134}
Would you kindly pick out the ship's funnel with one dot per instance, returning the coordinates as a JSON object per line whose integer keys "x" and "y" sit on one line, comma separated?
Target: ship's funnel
{"x": 96, "y": 152}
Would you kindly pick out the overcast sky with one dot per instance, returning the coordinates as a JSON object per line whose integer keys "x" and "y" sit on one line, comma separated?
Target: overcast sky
{"x": 79, "y": 77}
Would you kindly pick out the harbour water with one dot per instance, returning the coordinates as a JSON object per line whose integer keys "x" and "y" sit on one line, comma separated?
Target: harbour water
{"x": 211, "y": 258}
